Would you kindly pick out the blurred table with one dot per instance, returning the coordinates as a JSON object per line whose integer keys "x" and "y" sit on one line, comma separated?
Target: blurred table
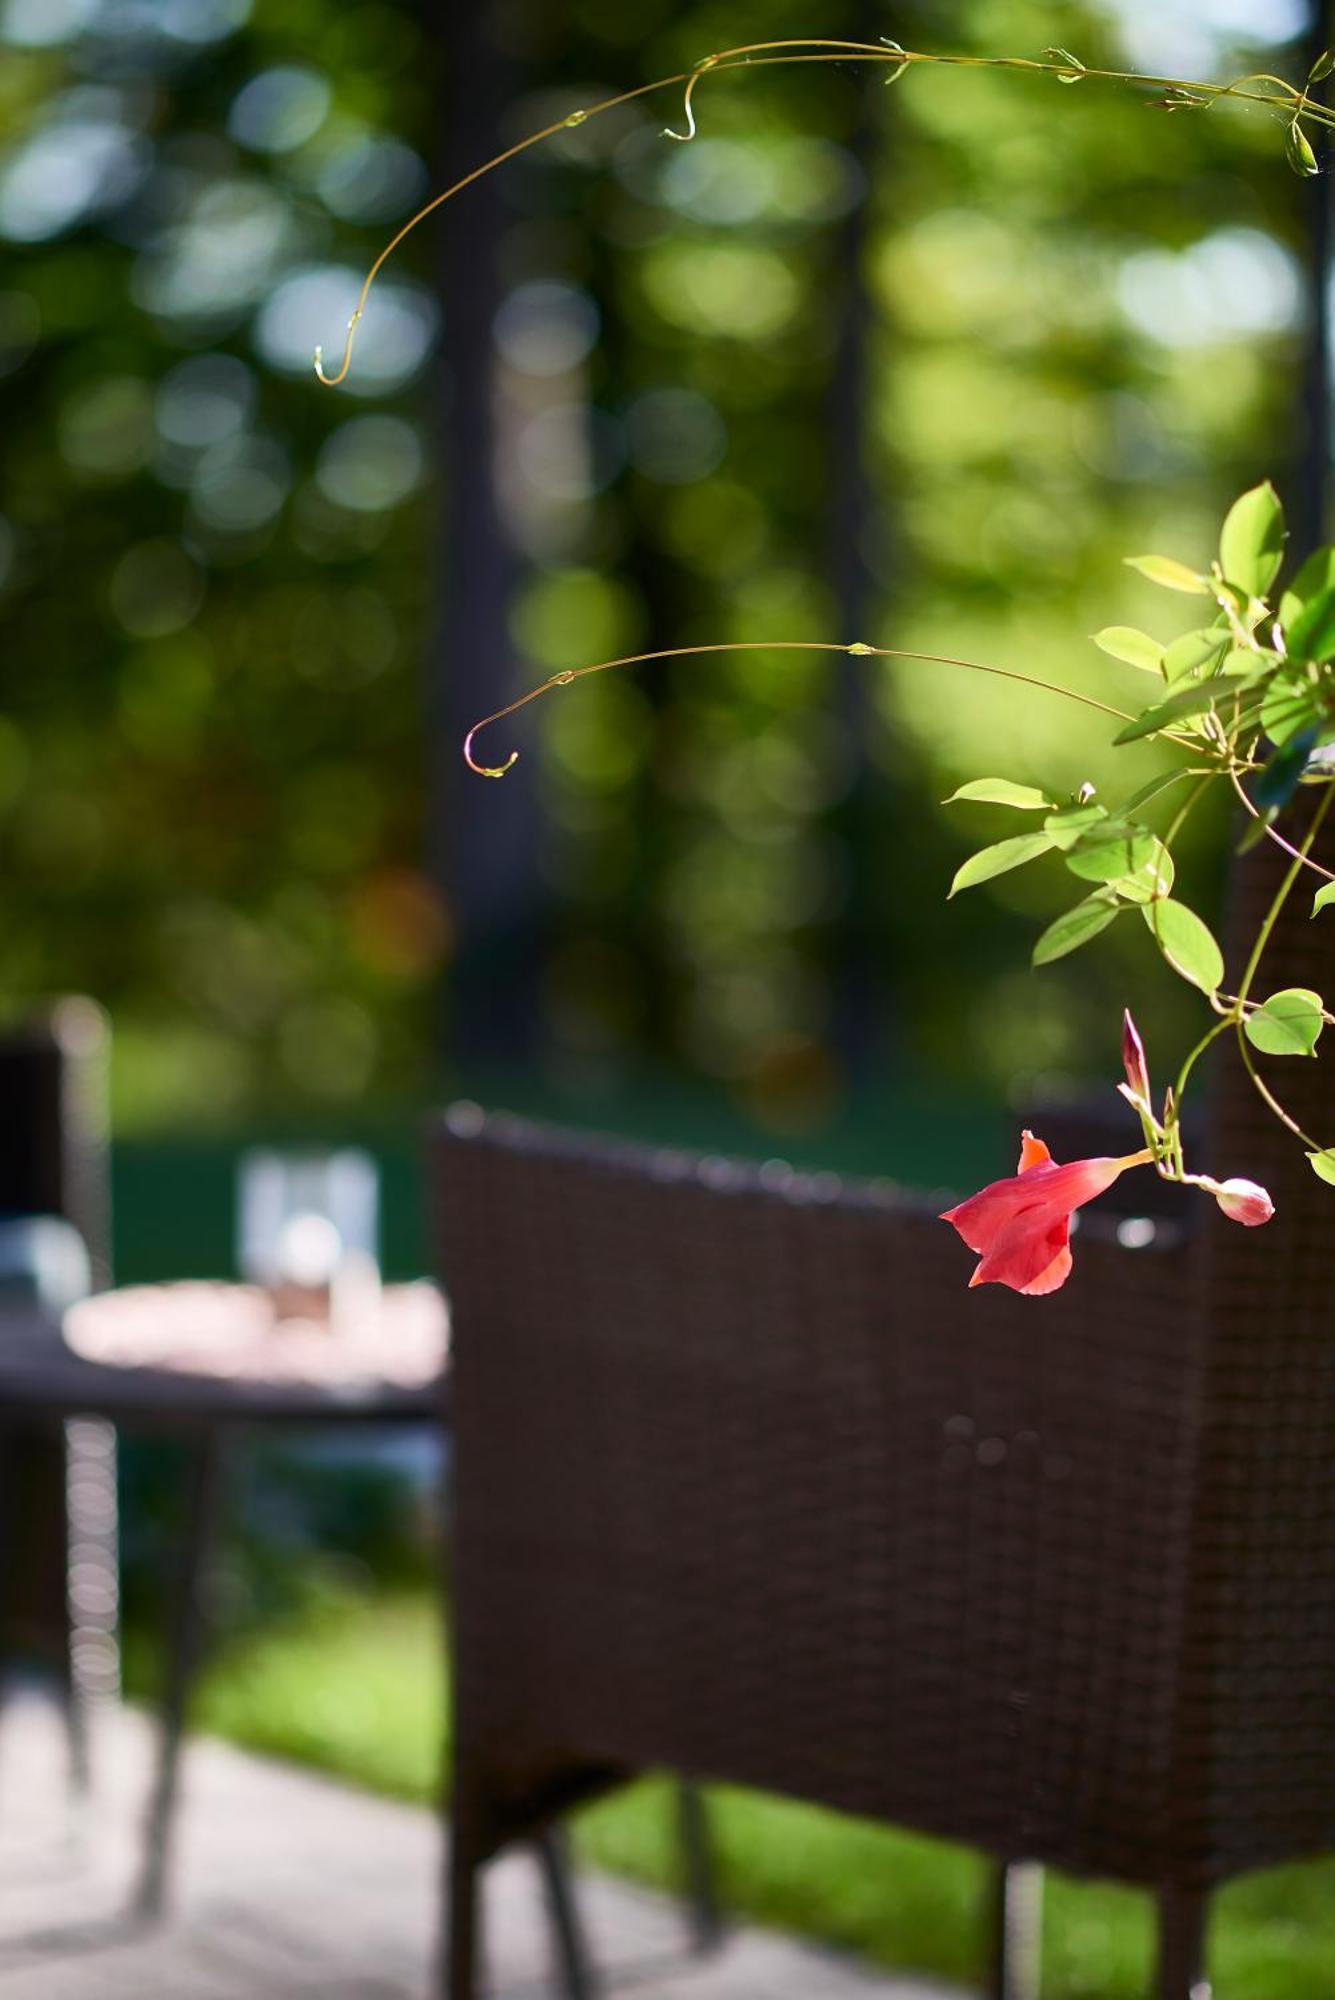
{"x": 215, "y": 1354}
{"x": 208, "y": 1360}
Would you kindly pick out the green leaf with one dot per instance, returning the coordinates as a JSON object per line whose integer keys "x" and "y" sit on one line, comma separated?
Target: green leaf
{"x": 1113, "y": 849}
{"x": 1322, "y": 67}
{"x": 1186, "y": 942}
{"x": 1151, "y": 791}
{"x": 1323, "y": 898}
{"x": 1064, "y": 828}
{"x": 1152, "y": 880}
{"x": 1298, "y": 148}
{"x": 1187, "y": 701}
{"x": 1193, "y": 650}
{"x": 1311, "y": 636}
{"x": 1323, "y": 1165}
{"x": 1251, "y": 545}
{"x": 1244, "y": 665}
{"x": 997, "y": 859}
{"x": 1124, "y": 642}
{"x": 1001, "y": 792}
{"x": 1172, "y": 575}
{"x": 1076, "y": 927}
{"x": 1316, "y": 575}
{"x": 1292, "y": 703}
{"x": 1288, "y": 1023}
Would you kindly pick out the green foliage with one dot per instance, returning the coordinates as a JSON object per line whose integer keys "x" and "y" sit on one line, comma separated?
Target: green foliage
{"x": 1171, "y": 574}
{"x": 1137, "y": 649}
{"x": 1251, "y": 544}
{"x": 1187, "y": 943}
{"x": 1248, "y": 703}
{"x": 998, "y": 859}
{"x": 1075, "y": 927}
{"x": 1001, "y": 792}
{"x": 704, "y": 876}
{"x": 1202, "y": 650}
{"x": 214, "y": 580}
{"x": 1111, "y": 850}
{"x": 1287, "y": 1024}
{"x": 1311, "y": 632}
{"x": 1185, "y": 702}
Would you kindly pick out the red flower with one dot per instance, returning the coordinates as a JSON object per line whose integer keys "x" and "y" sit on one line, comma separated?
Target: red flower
{"x": 1021, "y": 1228}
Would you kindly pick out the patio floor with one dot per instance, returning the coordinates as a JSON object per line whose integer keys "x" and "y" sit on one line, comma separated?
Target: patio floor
{"x": 289, "y": 1885}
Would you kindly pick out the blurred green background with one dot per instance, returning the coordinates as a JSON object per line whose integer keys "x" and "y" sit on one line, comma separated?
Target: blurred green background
{"x": 915, "y": 364}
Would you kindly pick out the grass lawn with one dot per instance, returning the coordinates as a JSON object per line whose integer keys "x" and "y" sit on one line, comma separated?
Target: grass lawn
{"x": 356, "y": 1686}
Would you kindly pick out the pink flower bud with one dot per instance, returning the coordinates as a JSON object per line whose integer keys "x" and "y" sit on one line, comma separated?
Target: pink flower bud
{"x": 1133, "y": 1062}
{"x": 1243, "y": 1201}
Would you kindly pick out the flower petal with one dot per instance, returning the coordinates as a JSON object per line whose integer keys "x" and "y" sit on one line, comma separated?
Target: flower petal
{"x": 1033, "y": 1153}
{"x": 1051, "y": 1280}
{"x": 1021, "y": 1255}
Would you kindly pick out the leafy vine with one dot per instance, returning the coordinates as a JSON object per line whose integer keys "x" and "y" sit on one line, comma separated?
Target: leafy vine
{"x": 1247, "y": 698}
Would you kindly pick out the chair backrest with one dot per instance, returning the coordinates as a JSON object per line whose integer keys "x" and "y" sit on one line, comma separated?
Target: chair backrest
{"x": 1261, "y": 1618}
{"x": 749, "y": 1484}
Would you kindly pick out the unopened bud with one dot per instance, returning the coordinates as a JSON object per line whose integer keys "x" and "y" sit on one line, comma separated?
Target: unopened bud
{"x": 1243, "y": 1201}
{"x": 1134, "y": 1063}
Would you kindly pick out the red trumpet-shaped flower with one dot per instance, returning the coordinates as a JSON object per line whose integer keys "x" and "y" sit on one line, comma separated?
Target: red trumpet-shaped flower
{"x": 1021, "y": 1228}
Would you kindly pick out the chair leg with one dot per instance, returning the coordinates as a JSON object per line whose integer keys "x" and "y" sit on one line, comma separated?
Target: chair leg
{"x": 1016, "y": 1930}
{"x": 698, "y": 1867}
{"x": 573, "y": 1967}
{"x": 1182, "y": 1921}
{"x": 461, "y": 1932}
{"x": 188, "y": 1635}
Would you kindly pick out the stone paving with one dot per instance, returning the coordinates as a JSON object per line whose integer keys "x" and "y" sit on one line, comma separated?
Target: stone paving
{"x": 288, "y": 1884}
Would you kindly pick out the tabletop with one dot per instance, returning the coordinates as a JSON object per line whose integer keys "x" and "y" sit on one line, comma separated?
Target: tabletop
{"x": 216, "y": 1353}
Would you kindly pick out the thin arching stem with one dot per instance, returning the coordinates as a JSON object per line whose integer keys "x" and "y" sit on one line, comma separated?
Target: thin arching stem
{"x": 457, "y": 187}
{"x": 1269, "y": 1097}
{"x": 823, "y": 49}
{"x": 1268, "y": 923}
{"x": 570, "y": 674}
{"x": 1295, "y": 869}
{"x": 1326, "y": 874}
{"x": 1238, "y": 1004}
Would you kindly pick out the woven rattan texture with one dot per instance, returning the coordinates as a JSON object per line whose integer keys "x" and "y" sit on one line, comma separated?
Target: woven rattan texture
{"x": 748, "y": 1483}
{"x": 1257, "y": 1733}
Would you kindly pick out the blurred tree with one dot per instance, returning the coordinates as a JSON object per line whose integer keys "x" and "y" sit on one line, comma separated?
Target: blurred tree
{"x": 214, "y": 577}
{"x": 919, "y": 364}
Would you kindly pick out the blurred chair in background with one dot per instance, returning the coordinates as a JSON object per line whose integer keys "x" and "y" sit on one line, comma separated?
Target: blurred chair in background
{"x": 59, "y": 1576}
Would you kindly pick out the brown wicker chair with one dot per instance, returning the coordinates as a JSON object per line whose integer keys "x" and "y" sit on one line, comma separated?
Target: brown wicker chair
{"x": 748, "y": 1484}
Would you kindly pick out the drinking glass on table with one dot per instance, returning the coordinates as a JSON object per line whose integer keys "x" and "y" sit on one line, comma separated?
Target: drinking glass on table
{"x": 308, "y": 1232}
